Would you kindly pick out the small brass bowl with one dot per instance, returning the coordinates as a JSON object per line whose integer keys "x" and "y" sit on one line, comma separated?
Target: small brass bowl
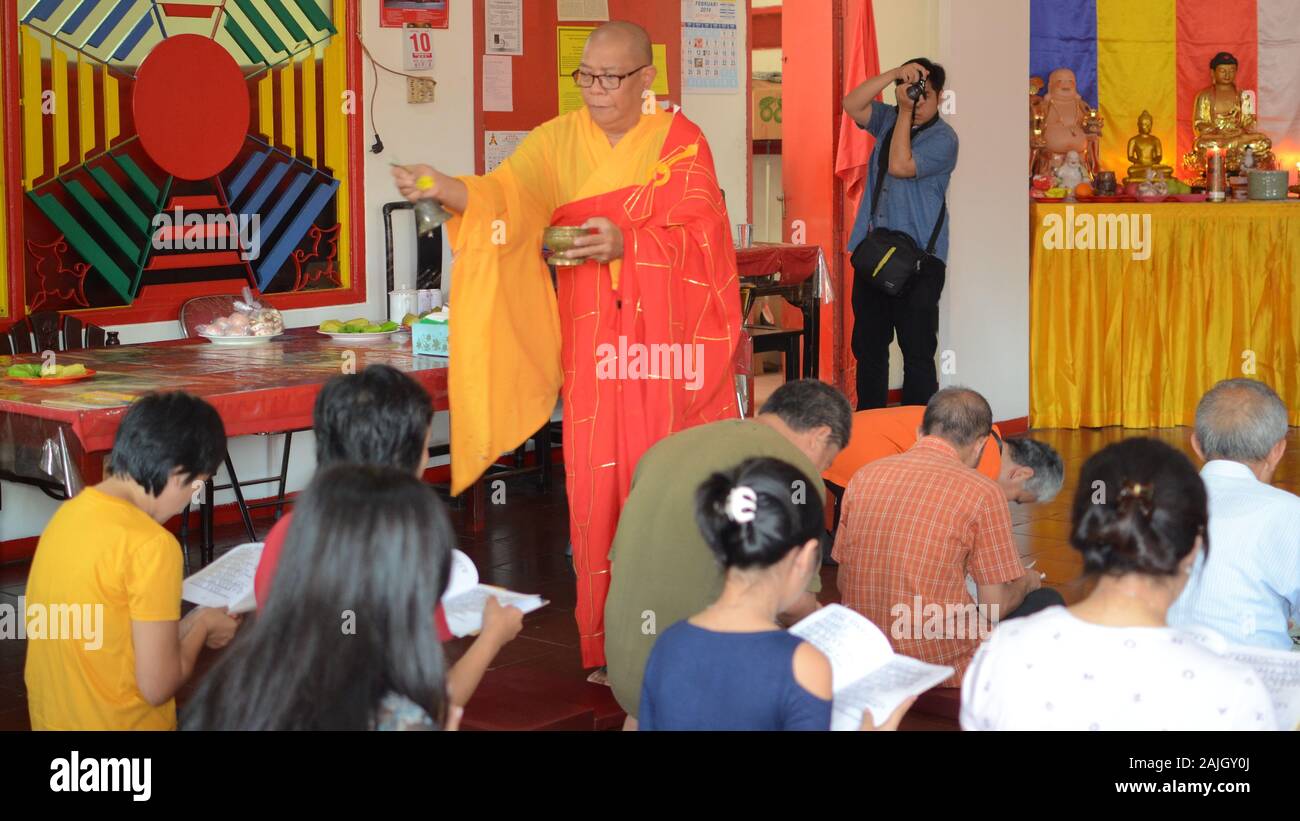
{"x": 559, "y": 239}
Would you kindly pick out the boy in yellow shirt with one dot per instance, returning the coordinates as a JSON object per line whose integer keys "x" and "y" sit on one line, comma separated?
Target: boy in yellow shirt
{"x": 107, "y": 648}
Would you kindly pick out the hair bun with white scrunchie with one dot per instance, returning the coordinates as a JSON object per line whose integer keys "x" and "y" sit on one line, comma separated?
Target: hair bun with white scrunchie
{"x": 742, "y": 504}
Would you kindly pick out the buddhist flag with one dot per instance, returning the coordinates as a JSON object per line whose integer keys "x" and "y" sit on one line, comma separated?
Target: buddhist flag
{"x": 1131, "y": 55}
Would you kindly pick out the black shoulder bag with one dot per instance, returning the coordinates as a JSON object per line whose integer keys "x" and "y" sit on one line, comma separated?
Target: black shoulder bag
{"x": 887, "y": 258}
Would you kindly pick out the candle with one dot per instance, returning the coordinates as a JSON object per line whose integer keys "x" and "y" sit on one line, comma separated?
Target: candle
{"x": 1215, "y": 184}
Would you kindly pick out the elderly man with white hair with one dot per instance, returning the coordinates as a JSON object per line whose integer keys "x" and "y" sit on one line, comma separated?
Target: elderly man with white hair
{"x": 1246, "y": 585}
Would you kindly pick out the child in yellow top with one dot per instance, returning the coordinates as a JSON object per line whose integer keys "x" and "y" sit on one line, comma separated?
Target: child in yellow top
{"x": 106, "y": 647}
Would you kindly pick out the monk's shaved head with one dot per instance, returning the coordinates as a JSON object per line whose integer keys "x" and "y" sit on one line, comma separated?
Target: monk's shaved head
{"x": 627, "y": 35}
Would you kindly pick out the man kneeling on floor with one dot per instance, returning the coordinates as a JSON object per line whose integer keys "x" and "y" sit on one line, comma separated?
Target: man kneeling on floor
{"x": 912, "y": 527}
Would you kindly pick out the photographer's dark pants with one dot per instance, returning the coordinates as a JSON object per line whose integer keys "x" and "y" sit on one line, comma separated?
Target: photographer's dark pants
{"x": 914, "y": 316}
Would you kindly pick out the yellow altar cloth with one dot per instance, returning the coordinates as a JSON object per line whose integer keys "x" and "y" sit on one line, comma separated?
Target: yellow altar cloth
{"x": 1136, "y": 310}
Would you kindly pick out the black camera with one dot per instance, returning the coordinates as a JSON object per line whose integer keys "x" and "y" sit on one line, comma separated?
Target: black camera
{"x": 916, "y": 90}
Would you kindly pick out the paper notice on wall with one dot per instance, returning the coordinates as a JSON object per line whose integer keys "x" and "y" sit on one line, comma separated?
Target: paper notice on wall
{"x": 709, "y": 11}
{"x": 570, "y": 41}
{"x": 581, "y": 10}
{"x": 417, "y": 47}
{"x": 660, "y": 87}
{"x": 497, "y": 145}
{"x": 498, "y": 83}
{"x": 710, "y": 58}
{"x": 395, "y": 13}
{"x": 505, "y": 27}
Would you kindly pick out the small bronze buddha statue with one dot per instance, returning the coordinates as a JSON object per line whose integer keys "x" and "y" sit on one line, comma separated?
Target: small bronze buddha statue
{"x": 1145, "y": 152}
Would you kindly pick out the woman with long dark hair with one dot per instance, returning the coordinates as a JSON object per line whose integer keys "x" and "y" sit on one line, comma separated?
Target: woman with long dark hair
{"x": 348, "y": 640}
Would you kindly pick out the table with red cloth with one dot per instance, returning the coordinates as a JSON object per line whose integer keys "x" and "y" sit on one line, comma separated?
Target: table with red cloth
{"x": 263, "y": 389}
{"x": 795, "y": 273}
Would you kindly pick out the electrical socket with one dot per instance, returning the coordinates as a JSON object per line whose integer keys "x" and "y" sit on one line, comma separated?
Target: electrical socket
{"x": 420, "y": 89}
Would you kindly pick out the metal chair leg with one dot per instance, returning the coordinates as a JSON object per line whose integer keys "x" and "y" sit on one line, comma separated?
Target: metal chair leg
{"x": 284, "y": 475}
{"x": 542, "y": 450}
{"x": 207, "y": 547}
{"x": 185, "y": 537}
{"x": 239, "y": 500}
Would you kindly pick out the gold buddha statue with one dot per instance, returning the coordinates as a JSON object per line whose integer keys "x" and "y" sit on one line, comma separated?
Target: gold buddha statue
{"x": 1224, "y": 119}
{"x": 1145, "y": 152}
{"x": 1067, "y": 124}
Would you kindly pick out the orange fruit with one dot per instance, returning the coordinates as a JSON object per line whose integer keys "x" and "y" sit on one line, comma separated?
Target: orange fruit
{"x": 1083, "y": 190}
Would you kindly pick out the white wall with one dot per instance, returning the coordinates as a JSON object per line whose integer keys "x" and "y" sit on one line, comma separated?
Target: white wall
{"x": 441, "y": 133}
{"x": 984, "y": 317}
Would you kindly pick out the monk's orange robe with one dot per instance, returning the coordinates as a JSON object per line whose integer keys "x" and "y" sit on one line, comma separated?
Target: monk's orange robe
{"x": 641, "y": 347}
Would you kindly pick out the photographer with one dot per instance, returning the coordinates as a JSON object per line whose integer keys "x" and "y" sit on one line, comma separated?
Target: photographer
{"x": 900, "y": 237}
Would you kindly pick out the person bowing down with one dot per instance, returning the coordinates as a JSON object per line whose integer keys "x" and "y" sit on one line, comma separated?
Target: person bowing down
{"x": 656, "y": 283}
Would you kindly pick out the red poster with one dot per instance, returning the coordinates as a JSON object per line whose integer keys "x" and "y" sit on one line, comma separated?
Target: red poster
{"x": 396, "y": 13}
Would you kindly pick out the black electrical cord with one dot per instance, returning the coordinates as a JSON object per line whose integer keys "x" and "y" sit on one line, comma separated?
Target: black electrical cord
{"x": 375, "y": 65}
{"x": 378, "y": 146}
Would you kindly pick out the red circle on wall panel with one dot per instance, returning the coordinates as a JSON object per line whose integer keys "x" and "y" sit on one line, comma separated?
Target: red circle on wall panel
{"x": 191, "y": 106}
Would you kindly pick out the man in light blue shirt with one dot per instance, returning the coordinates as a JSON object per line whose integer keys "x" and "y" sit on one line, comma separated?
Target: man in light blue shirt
{"x": 1246, "y": 586}
{"x": 918, "y": 151}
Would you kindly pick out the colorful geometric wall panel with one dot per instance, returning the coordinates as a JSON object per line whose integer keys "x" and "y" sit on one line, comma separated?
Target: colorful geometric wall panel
{"x": 169, "y": 147}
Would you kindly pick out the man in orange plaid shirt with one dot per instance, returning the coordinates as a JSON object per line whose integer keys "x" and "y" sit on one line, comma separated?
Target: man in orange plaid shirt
{"x": 912, "y": 527}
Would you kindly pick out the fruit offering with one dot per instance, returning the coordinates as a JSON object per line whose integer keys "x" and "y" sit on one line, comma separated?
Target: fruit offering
{"x": 357, "y": 326}
{"x": 1083, "y": 190}
{"x": 37, "y": 371}
{"x": 250, "y": 318}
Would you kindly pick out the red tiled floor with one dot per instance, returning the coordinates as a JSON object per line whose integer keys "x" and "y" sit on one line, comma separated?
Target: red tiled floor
{"x": 539, "y": 674}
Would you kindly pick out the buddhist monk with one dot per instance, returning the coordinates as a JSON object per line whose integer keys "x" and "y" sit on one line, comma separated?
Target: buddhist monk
{"x": 658, "y": 269}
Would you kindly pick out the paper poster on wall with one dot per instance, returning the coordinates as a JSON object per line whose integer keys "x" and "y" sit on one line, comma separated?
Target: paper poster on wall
{"x": 497, "y": 145}
{"x": 417, "y": 48}
{"x": 709, "y": 11}
{"x": 660, "y": 87}
{"x": 498, "y": 83}
{"x": 397, "y": 13}
{"x": 505, "y": 26}
{"x": 570, "y": 41}
{"x": 581, "y": 10}
{"x": 710, "y": 58}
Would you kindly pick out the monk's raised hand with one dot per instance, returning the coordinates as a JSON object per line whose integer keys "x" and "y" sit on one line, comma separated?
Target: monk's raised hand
{"x": 604, "y": 244}
{"x": 416, "y": 181}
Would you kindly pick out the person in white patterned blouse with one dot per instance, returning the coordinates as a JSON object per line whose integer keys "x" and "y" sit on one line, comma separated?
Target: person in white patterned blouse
{"x": 1250, "y": 588}
{"x": 1110, "y": 662}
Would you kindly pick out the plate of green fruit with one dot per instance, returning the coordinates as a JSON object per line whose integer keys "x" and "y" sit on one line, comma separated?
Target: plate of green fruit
{"x": 38, "y": 374}
{"x": 359, "y": 330}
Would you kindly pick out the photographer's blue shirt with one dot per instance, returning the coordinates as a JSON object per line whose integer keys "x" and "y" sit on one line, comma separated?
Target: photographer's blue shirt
{"x": 909, "y": 204}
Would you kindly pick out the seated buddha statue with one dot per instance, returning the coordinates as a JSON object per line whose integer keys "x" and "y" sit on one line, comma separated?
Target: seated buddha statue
{"x": 1224, "y": 119}
{"x": 1068, "y": 124}
{"x": 1144, "y": 151}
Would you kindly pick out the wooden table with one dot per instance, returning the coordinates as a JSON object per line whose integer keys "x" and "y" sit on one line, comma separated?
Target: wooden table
{"x": 261, "y": 390}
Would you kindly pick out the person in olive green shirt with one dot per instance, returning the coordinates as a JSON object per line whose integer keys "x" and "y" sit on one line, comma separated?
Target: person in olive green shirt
{"x": 661, "y": 569}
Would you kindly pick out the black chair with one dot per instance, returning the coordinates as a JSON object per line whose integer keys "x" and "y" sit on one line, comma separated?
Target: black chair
{"x": 50, "y": 331}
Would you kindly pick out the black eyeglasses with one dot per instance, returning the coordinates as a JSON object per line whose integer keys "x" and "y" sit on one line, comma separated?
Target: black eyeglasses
{"x": 609, "y": 82}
